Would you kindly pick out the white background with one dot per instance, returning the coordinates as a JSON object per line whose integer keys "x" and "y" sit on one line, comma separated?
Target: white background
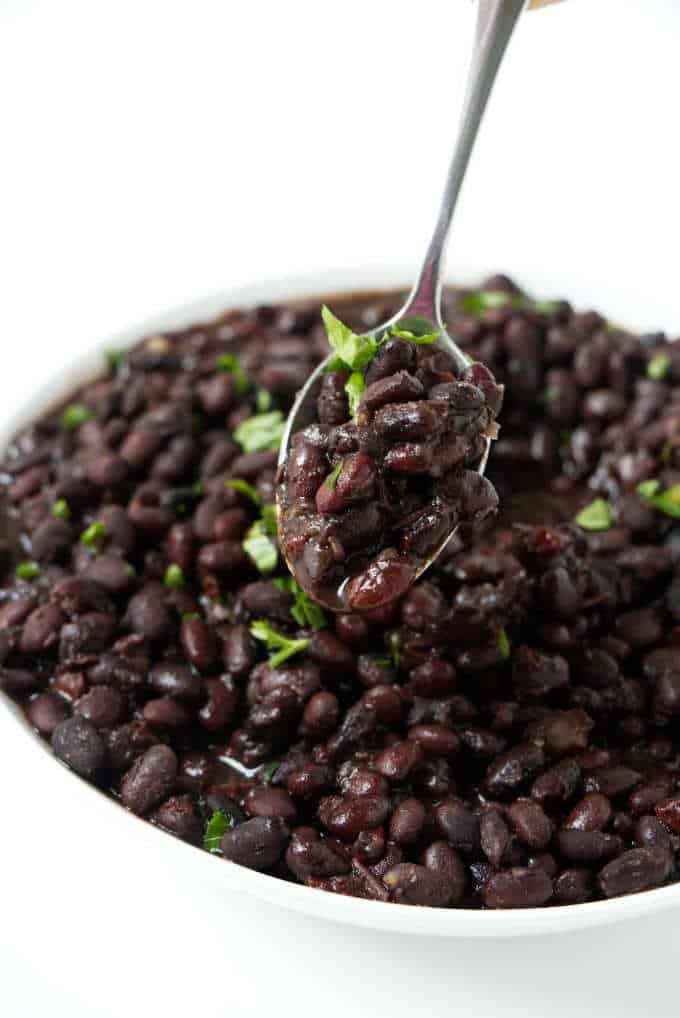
{"x": 154, "y": 151}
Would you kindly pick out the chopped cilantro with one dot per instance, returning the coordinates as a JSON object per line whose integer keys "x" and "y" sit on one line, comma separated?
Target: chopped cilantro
{"x": 269, "y": 770}
{"x": 353, "y": 351}
{"x": 416, "y": 330}
{"x": 263, "y": 401}
{"x": 648, "y": 488}
{"x": 174, "y": 577}
{"x": 28, "y": 570}
{"x": 503, "y": 644}
{"x": 332, "y": 478}
{"x": 595, "y": 516}
{"x": 667, "y": 501}
{"x": 659, "y": 366}
{"x": 114, "y": 359}
{"x": 60, "y": 509}
{"x": 244, "y": 489}
{"x": 284, "y": 647}
{"x": 546, "y": 307}
{"x": 305, "y": 611}
{"x": 73, "y": 416}
{"x": 259, "y": 547}
{"x": 479, "y": 301}
{"x": 228, "y": 362}
{"x": 93, "y": 535}
{"x": 355, "y": 386}
{"x": 190, "y": 616}
{"x": 261, "y": 431}
{"x": 218, "y": 825}
{"x": 548, "y": 395}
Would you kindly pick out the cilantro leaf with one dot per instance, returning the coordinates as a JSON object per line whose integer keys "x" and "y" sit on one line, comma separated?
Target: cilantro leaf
{"x": 546, "y": 307}
{"x": 61, "y": 510}
{"x": 269, "y": 770}
{"x": 549, "y": 394}
{"x": 503, "y": 644}
{"x": 93, "y": 535}
{"x": 667, "y": 501}
{"x": 174, "y": 577}
{"x": 114, "y": 359}
{"x": 479, "y": 301}
{"x": 284, "y": 647}
{"x": 595, "y": 516}
{"x": 354, "y": 352}
{"x": 332, "y": 478}
{"x": 305, "y": 611}
{"x": 218, "y": 825}
{"x": 27, "y": 571}
{"x": 237, "y": 484}
{"x": 259, "y": 547}
{"x": 228, "y": 362}
{"x": 659, "y": 366}
{"x": 73, "y": 416}
{"x": 355, "y": 386}
{"x": 261, "y": 431}
{"x": 416, "y": 330}
{"x": 648, "y": 488}
{"x": 263, "y": 401}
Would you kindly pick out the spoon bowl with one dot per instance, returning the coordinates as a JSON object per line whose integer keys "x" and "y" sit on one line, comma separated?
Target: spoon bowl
{"x": 495, "y": 23}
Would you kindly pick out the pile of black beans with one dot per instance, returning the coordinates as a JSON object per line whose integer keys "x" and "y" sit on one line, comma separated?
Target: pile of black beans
{"x": 367, "y": 499}
{"x": 504, "y": 735}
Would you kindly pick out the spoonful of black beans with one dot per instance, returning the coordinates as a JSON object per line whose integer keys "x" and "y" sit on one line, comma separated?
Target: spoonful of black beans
{"x": 385, "y": 448}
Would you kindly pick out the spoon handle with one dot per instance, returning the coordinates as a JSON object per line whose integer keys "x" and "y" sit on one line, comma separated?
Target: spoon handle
{"x": 495, "y": 22}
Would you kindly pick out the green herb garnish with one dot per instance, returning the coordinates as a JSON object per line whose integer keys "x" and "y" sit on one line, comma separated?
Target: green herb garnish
{"x": 73, "y": 416}
{"x": 666, "y": 451}
{"x": 546, "y": 307}
{"x": 416, "y": 330}
{"x": 114, "y": 359}
{"x": 261, "y": 431}
{"x": 190, "y": 616}
{"x": 174, "y": 577}
{"x": 27, "y": 571}
{"x": 263, "y": 401}
{"x": 284, "y": 647}
{"x": 479, "y": 301}
{"x": 228, "y": 362}
{"x": 595, "y": 516}
{"x": 648, "y": 488}
{"x": 548, "y": 395}
{"x": 503, "y": 644}
{"x": 60, "y": 510}
{"x": 353, "y": 352}
{"x": 244, "y": 489}
{"x": 355, "y": 387}
{"x": 667, "y": 501}
{"x": 93, "y": 535}
{"x": 259, "y": 547}
{"x": 332, "y": 478}
{"x": 659, "y": 366}
{"x": 305, "y": 611}
{"x": 269, "y": 770}
{"x": 218, "y": 825}
{"x": 130, "y": 570}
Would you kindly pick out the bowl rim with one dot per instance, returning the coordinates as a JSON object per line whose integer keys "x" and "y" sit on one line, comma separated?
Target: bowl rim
{"x": 405, "y": 919}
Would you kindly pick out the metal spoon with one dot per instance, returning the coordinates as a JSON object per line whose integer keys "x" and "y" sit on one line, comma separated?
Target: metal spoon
{"x": 496, "y": 20}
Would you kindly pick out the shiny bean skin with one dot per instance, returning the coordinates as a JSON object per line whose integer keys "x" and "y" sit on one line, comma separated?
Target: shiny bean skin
{"x": 257, "y": 844}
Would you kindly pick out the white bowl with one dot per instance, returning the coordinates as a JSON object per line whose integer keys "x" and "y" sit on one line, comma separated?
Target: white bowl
{"x": 190, "y": 865}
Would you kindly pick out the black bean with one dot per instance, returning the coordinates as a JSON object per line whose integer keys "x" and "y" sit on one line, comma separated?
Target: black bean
{"x": 635, "y": 870}
{"x": 77, "y": 742}
{"x": 518, "y": 887}
{"x": 178, "y": 816}
{"x": 308, "y": 855}
{"x": 149, "y": 780}
{"x": 46, "y": 711}
{"x": 258, "y": 843}
{"x": 411, "y": 884}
